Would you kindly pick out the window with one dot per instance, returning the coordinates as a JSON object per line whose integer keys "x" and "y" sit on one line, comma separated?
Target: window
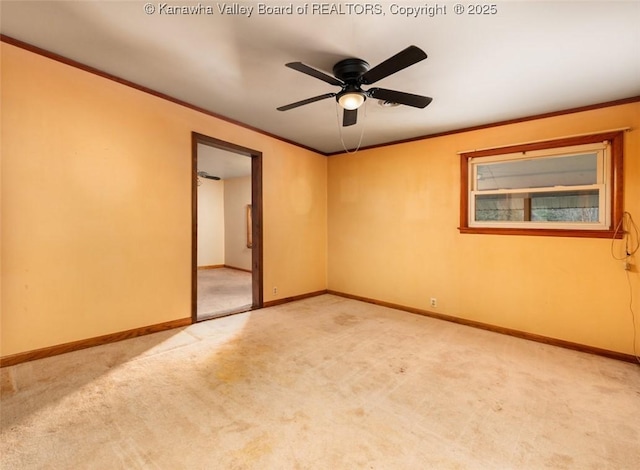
{"x": 566, "y": 187}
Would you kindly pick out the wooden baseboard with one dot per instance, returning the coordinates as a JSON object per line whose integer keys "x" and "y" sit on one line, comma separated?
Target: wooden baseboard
{"x": 27, "y": 356}
{"x": 19, "y": 358}
{"x": 273, "y": 303}
{"x": 497, "y": 329}
{"x": 218, "y": 266}
{"x": 237, "y": 269}
{"x": 212, "y": 266}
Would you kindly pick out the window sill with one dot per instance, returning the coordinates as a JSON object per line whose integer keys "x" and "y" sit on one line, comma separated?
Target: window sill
{"x": 541, "y": 232}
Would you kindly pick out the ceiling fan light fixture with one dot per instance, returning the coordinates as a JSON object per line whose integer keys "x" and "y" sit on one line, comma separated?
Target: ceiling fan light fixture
{"x": 351, "y": 100}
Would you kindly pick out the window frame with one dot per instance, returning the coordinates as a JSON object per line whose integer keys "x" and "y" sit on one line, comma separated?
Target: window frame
{"x": 614, "y": 183}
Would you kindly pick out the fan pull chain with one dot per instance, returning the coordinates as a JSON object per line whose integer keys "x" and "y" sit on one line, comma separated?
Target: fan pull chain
{"x": 363, "y": 120}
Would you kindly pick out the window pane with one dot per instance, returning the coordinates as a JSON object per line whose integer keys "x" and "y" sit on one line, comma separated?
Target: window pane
{"x": 574, "y": 170}
{"x": 560, "y": 206}
{"x": 575, "y": 206}
{"x": 500, "y": 207}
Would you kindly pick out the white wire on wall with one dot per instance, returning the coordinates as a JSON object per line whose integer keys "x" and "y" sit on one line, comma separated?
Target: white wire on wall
{"x": 630, "y": 245}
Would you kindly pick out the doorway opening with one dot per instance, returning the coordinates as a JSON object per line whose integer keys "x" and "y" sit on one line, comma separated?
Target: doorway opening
{"x": 226, "y": 223}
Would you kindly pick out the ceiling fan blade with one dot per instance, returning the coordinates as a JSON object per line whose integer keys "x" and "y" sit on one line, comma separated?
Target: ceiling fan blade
{"x": 349, "y": 117}
{"x": 400, "y": 97}
{"x": 204, "y": 174}
{"x": 300, "y": 67}
{"x": 307, "y": 101}
{"x": 401, "y": 60}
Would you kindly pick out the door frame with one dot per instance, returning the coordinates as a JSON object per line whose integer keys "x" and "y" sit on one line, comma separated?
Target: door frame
{"x": 256, "y": 220}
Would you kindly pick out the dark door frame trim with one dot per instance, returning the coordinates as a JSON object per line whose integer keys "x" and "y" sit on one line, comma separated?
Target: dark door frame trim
{"x": 256, "y": 204}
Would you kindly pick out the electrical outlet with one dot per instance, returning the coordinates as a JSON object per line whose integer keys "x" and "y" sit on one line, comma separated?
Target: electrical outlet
{"x": 434, "y": 302}
{"x": 275, "y": 290}
{"x": 629, "y": 266}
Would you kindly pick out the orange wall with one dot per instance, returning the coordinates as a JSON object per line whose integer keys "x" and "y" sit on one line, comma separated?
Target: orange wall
{"x": 96, "y": 219}
{"x": 96, "y": 206}
{"x": 393, "y": 218}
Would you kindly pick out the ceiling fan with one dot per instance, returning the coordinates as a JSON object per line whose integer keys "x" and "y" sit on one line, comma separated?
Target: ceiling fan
{"x": 351, "y": 74}
{"x": 204, "y": 174}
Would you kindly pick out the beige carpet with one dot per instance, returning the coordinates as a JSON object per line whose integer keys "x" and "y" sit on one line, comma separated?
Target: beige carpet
{"x": 323, "y": 383}
{"x": 222, "y": 291}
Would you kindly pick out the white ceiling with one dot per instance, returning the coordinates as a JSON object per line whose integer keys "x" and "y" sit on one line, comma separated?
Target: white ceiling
{"x": 528, "y": 58}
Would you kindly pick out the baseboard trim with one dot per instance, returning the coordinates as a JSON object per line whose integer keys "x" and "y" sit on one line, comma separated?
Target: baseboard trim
{"x": 50, "y": 351}
{"x": 273, "y": 303}
{"x": 496, "y": 329}
{"x": 212, "y": 266}
{"x": 218, "y": 266}
{"x": 237, "y": 269}
{"x": 27, "y": 356}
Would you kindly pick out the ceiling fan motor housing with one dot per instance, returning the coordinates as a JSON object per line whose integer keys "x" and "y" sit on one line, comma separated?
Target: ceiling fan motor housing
{"x": 350, "y": 70}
